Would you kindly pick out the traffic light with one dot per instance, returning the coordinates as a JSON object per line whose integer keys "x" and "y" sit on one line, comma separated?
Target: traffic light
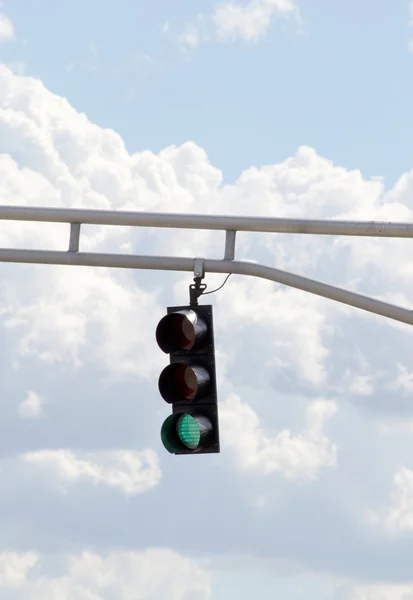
{"x": 188, "y": 383}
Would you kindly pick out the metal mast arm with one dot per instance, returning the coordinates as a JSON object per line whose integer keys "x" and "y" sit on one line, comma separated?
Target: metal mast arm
{"x": 228, "y": 224}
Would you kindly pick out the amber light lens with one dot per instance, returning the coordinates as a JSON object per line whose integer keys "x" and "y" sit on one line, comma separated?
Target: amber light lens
{"x": 180, "y": 381}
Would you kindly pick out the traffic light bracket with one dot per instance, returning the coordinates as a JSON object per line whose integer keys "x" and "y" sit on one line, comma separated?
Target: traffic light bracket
{"x": 197, "y": 288}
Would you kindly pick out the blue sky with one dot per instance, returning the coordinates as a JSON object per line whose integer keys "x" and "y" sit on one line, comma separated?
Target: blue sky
{"x": 337, "y": 81}
{"x": 268, "y": 108}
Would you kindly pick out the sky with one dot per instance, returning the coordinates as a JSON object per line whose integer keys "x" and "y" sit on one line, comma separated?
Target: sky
{"x": 276, "y": 108}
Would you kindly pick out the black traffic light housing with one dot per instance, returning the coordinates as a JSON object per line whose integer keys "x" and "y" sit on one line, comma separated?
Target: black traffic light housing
{"x": 188, "y": 383}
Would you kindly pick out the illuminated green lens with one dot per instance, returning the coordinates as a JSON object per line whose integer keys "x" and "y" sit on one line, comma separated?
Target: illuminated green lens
{"x": 188, "y": 431}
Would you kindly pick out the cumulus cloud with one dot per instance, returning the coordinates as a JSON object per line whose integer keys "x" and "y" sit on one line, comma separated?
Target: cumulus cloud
{"x": 295, "y": 456}
{"x": 158, "y": 574}
{"x": 404, "y": 380}
{"x": 251, "y": 21}
{"x": 88, "y": 312}
{"x": 398, "y": 516}
{"x": 233, "y": 21}
{"x": 131, "y": 472}
{"x": 190, "y": 37}
{"x": 376, "y": 592}
{"x": 304, "y": 345}
{"x": 14, "y": 568}
{"x": 31, "y": 407}
{"x": 74, "y": 164}
{"x": 82, "y": 333}
{"x": 6, "y": 28}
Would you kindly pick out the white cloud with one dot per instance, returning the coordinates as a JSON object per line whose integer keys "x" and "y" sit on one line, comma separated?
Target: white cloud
{"x": 297, "y": 320}
{"x": 376, "y": 592}
{"x": 232, "y": 21}
{"x": 14, "y": 568}
{"x": 361, "y": 385}
{"x": 281, "y": 345}
{"x": 131, "y": 472}
{"x": 88, "y": 314}
{"x": 399, "y": 516}
{"x": 248, "y": 22}
{"x": 158, "y": 574}
{"x": 295, "y": 456}
{"x": 68, "y": 161}
{"x": 31, "y": 407}
{"x": 6, "y": 28}
{"x": 190, "y": 37}
{"x": 404, "y": 380}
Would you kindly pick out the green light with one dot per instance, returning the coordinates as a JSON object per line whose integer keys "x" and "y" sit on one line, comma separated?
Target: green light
{"x": 188, "y": 431}
{"x": 169, "y": 436}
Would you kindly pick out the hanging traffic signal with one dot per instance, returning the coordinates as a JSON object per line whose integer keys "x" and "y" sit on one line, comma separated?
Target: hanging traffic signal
{"x": 188, "y": 383}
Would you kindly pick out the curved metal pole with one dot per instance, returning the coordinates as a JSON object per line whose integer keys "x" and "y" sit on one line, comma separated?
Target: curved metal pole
{"x": 166, "y": 263}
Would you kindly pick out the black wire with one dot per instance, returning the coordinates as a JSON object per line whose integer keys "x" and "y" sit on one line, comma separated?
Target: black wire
{"x": 221, "y": 286}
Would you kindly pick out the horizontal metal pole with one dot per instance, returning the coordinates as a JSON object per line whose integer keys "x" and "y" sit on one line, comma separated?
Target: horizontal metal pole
{"x": 163, "y": 263}
{"x": 211, "y": 222}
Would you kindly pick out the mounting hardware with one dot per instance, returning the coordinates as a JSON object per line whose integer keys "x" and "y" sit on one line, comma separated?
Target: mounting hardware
{"x": 197, "y": 288}
{"x": 199, "y": 271}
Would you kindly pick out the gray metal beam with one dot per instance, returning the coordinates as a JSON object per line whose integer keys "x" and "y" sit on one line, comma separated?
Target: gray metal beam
{"x": 74, "y": 237}
{"x": 230, "y": 245}
{"x": 212, "y": 222}
{"x": 227, "y": 223}
{"x": 163, "y": 263}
